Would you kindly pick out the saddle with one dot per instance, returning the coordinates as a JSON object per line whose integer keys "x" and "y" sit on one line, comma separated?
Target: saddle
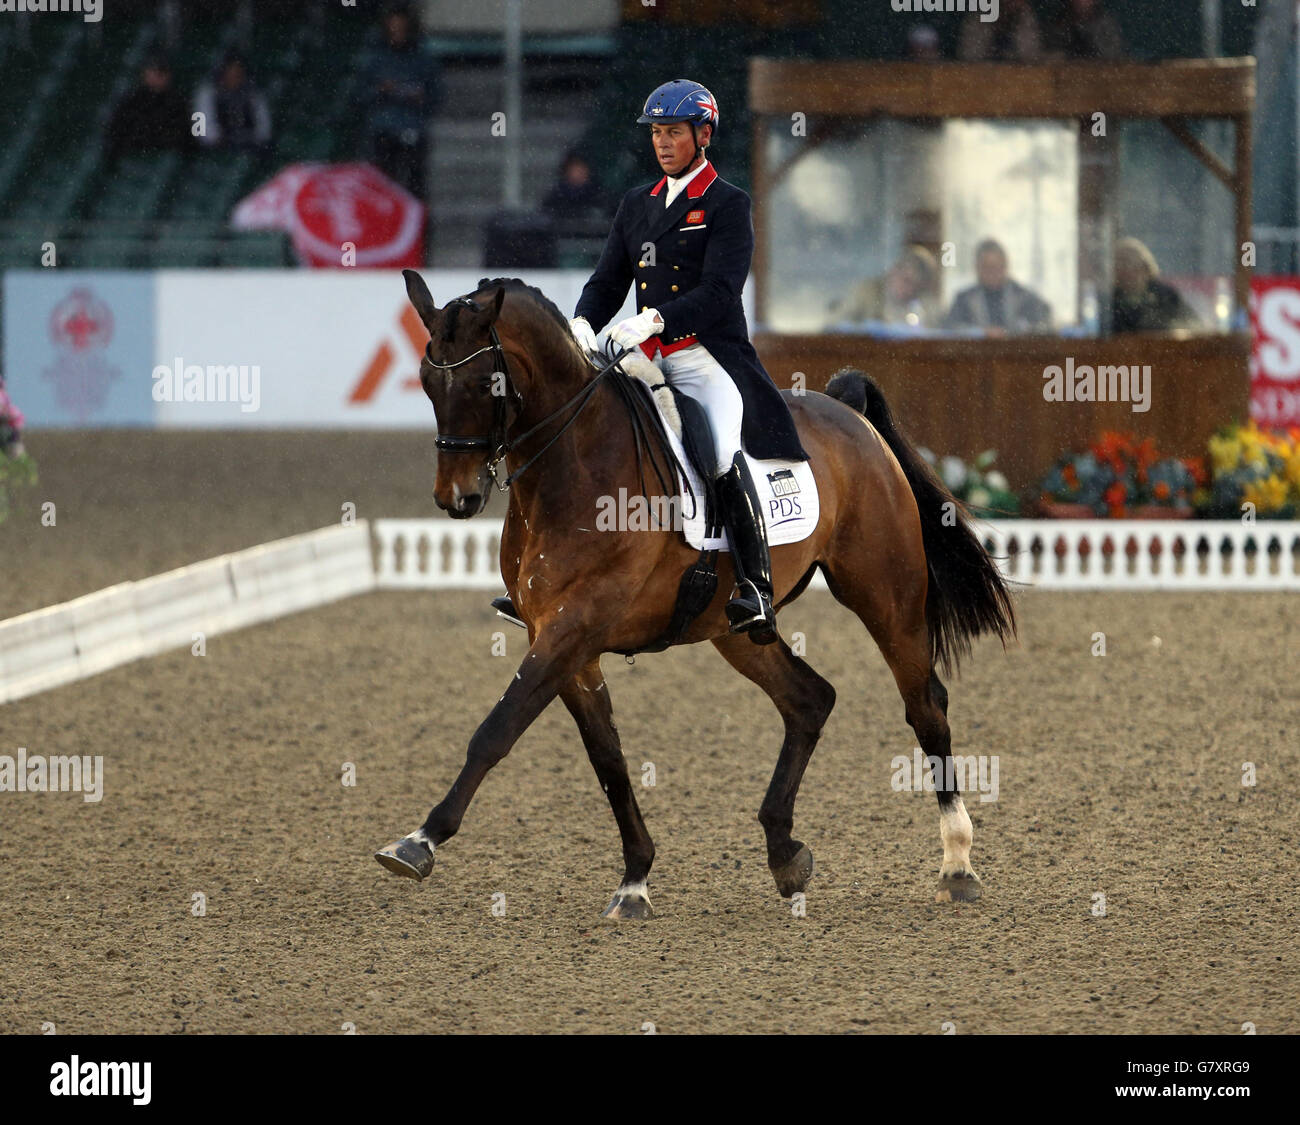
{"x": 700, "y": 581}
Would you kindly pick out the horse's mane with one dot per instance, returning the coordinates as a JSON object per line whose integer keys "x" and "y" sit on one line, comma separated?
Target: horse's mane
{"x": 515, "y": 285}
{"x": 647, "y": 428}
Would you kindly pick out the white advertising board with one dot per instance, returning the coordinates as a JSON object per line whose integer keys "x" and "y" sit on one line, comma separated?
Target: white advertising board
{"x": 219, "y": 349}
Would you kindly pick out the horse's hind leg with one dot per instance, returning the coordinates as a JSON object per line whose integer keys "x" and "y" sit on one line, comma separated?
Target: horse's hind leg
{"x": 895, "y": 617}
{"x": 587, "y": 698}
{"x": 804, "y": 700}
{"x": 957, "y": 879}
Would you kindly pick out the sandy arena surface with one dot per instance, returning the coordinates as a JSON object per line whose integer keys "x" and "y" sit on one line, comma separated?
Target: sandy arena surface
{"x": 1118, "y": 775}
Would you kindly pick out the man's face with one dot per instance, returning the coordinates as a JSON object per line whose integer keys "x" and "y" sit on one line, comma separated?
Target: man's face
{"x": 674, "y": 145}
{"x": 991, "y": 269}
{"x": 905, "y": 281}
{"x": 398, "y": 29}
{"x": 1130, "y": 271}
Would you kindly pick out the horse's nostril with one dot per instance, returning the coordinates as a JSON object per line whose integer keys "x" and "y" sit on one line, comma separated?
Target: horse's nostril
{"x": 469, "y": 502}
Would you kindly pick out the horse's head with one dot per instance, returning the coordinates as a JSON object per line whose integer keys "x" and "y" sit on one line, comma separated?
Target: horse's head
{"x": 463, "y": 373}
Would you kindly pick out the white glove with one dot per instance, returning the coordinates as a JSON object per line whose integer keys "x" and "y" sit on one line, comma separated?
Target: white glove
{"x": 635, "y": 330}
{"x": 582, "y": 332}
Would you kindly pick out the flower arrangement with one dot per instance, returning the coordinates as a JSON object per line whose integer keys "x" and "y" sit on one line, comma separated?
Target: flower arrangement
{"x": 16, "y": 466}
{"x": 977, "y": 484}
{"x": 1118, "y": 473}
{"x": 11, "y": 422}
{"x": 1254, "y": 466}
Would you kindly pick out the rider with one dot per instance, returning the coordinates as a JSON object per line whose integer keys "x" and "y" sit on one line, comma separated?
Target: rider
{"x": 686, "y": 242}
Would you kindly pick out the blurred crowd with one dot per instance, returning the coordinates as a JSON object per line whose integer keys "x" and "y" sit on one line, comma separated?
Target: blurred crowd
{"x": 400, "y": 90}
{"x": 998, "y": 305}
{"x": 1029, "y": 31}
{"x": 1026, "y": 31}
{"x": 226, "y": 111}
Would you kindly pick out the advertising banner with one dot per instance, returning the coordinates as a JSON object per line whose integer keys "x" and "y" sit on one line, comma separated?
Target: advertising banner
{"x": 1275, "y": 356}
{"x": 230, "y": 348}
{"x": 76, "y": 345}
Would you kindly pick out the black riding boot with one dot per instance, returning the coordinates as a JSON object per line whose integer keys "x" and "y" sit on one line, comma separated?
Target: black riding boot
{"x": 750, "y": 611}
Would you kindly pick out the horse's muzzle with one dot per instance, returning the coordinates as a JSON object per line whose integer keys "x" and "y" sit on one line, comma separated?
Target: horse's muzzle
{"x": 466, "y": 505}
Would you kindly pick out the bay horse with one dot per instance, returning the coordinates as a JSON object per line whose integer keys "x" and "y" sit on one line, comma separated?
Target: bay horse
{"x": 508, "y": 382}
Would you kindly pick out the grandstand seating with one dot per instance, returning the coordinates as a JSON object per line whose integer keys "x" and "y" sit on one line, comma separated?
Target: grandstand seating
{"x": 581, "y": 90}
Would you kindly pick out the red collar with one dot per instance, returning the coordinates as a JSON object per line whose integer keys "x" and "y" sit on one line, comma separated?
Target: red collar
{"x": 696, "y": 188}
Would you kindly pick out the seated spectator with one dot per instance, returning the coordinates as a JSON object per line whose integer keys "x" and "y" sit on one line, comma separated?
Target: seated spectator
{"x": 1084, "y": 30}
{"x": 235, "y": 114}
{"x": 575, "y": 199}
{"x": 400, "y": 90}
{"x": 923, "y": 44}
{"x": 151, "y": 118}
{"x": 997, "y": 304}
{"x": 1015, "y": 36}
{"x": 1143, "y": 303}
{"x": 907, "y": 294}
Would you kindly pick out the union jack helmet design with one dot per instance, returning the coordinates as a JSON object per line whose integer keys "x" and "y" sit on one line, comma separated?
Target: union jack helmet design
{"x": 680, "y": 100}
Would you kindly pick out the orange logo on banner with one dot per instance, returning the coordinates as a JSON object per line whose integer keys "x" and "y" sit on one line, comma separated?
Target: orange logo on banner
{"x": 695, "y": 217}
{"x": 416, "y": 335}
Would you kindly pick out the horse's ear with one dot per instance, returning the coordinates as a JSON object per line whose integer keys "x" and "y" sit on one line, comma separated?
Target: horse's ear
{"x": 487, "y": 314}
{"x": 422, "y": 300}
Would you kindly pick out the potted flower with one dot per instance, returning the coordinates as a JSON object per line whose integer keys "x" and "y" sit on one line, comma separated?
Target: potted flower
{"x": 1253, "y": 466}
{"x": 1120, "y": 477}
{"x": 977, "y": 484}
{"x": 16, "y": 466}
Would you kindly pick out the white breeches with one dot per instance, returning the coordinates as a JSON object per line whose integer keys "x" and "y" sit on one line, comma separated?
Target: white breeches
{"x": 694, "y": 372}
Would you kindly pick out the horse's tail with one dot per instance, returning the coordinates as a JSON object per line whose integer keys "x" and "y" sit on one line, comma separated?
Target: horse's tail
{"x": 967, "y": 594}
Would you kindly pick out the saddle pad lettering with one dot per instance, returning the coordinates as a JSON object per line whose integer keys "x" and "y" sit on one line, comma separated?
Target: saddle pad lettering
{"x": 787, "y": 495}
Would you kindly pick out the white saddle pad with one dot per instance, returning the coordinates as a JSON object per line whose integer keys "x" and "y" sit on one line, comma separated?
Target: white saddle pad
{"x": 787, "y": 494}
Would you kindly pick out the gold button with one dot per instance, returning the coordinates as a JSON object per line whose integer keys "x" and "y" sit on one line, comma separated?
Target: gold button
{"x": 674, "y": 288}
{"x": 677, "y": 267}
{"x": 643, "y": 285}
{"x": 645, "y": 308}
{"x": 642, "y": 265}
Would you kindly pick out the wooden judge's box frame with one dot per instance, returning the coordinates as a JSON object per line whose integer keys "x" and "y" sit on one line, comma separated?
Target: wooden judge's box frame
{"x": 962, "y": 396}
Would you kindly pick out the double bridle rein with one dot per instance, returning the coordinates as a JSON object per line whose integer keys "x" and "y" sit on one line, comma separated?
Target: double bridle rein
{"x": 498, "y": 442}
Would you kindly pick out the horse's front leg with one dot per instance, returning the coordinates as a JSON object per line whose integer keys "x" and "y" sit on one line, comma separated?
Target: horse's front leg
{"x": 554, "y": 658}
{"x": 587, "y": 698}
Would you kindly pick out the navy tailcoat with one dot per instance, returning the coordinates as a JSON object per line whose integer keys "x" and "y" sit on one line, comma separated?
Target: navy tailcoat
{"x": 703, "y": 244}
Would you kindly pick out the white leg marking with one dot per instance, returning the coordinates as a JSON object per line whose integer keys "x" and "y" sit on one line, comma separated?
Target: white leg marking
{"x": 955, "y": 832}
{"x": 634, "y": 890}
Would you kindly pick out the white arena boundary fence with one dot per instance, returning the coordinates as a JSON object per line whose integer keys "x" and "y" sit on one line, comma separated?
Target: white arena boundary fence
{"x": 65, "y": 643}
{"x": 1041, "y": 554}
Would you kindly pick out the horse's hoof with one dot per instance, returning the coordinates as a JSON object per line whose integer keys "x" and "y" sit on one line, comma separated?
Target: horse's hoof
{"x": 629, "y": 902}
{"x": 411, "y": 856}
{"x": 960, "y": 886}
{"x": 793, "y": 876}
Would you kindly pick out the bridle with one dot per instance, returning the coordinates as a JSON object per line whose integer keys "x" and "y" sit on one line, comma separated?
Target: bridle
{"x": 498, "y": 442}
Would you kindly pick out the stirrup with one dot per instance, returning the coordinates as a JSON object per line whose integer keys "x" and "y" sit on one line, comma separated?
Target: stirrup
{"x": 751, "y": 612}
{"x": 506, "y": 608}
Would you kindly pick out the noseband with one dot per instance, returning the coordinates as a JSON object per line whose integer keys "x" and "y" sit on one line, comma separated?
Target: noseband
{"x": 498, "y": 443}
